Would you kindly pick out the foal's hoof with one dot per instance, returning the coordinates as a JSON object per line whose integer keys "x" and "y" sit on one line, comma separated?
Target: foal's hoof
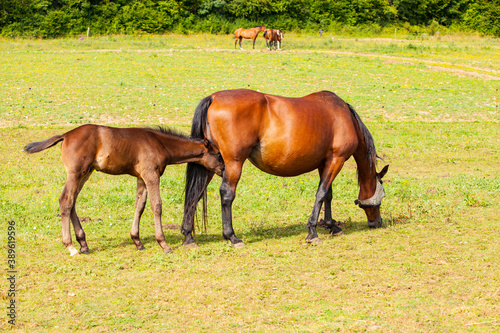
{"x": 238, "y": 245}
{"x": 167, "y": 251}
{"x": 141, "y": 248}
{"x": 315, "y": 241}
{"x": 85, "y": 251}
{"x": 191, "y": 246}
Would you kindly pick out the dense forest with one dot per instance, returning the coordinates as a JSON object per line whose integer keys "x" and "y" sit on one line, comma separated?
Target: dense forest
{"x": 56, "y": 18}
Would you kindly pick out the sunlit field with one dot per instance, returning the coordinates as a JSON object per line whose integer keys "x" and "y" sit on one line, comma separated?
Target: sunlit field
{"x": 430, "y": 103}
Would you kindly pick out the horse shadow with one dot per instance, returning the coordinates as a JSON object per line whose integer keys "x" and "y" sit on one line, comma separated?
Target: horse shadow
{"x": 258, "y": 234}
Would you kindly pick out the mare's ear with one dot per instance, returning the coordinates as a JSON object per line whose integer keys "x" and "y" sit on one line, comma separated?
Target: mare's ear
{"x": 206, "y": 143}
{"x": 384, "y": 171}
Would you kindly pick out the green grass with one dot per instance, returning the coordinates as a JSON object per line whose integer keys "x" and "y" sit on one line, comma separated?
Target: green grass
{"x": 432, "y": 267}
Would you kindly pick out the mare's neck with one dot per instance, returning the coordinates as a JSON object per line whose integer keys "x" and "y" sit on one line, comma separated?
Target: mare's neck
{"x": 367, "y": 175}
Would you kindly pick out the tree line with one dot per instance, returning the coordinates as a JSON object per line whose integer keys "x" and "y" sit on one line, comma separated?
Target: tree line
{"x": 55, "y": 18}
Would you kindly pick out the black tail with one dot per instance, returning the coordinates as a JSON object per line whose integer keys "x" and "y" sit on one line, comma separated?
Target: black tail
{"x": 197, "y": 176}
{"x": 35, "y": 147}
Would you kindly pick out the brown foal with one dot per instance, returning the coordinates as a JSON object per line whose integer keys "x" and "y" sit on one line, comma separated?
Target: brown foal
{"x": 140, "y": 152}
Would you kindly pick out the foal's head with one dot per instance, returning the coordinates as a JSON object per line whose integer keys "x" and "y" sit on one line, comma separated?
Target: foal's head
{"x": 212, "y": 159}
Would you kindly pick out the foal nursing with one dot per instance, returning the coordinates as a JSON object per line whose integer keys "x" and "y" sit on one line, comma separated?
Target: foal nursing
{"x": 140, "y": 152}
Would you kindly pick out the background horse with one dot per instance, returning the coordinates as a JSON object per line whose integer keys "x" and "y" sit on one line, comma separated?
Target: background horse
{"x": 284, "y": 137}
{"x": 251, "y": 33}
{"x": 273, "y": 38}
{"x": 140, "y": 152}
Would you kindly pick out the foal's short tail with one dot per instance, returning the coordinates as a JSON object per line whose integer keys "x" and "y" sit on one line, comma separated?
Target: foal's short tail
{"x": 197, "y": 176}
{"x": 35, "y": 147}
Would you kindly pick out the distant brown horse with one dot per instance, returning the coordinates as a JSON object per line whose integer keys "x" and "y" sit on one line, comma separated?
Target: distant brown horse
{"x": 284, "y": 137}
{"x": 140, "y": 152}
{"x": 251, "y": 33}
{"x": 273, "y": 38}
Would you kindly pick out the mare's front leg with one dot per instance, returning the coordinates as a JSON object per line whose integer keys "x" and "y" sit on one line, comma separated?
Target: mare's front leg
{"x": 330, "y": 223}
{"x": 254, "y": 43}
{"x": 230, "y": 178}
{"x": 328, "y": 174}
{"x": 140, "y": 204}
{"x": 153, "y": 187}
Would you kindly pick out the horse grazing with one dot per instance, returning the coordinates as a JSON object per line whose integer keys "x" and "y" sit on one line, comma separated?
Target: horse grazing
{"x": 140, "y": 152}
{"x": 251, "y": 33}
{"x": 283, "y": 137}
{"x": 273, "y": 38}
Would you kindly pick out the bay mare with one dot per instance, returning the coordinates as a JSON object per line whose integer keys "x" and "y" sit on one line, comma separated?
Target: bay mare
{"x": 283, "y": 137}
{"x": 140, "y": 152}
{"x": 251, "y": 33}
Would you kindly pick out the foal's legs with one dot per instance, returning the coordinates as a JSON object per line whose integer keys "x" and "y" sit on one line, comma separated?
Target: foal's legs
{"x": 330, "y": 171}
{"x": 230, "y": 178}
{"x": 79, "y": 233}
{"x": 140, "y": 204}
{"x": 67, "y": 205}
{"x": 153, "y": 187}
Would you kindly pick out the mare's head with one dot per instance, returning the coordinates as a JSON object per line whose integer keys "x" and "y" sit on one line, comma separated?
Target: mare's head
{"x": 371, "y": 205}
{"x": 212, "y": 159}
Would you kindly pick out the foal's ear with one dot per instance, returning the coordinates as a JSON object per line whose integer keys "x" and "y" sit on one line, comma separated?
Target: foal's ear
{"x": 206, "y": 143}
{"x": 384, "y": 171}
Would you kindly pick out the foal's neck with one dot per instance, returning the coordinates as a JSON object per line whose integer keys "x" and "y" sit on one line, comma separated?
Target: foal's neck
{"x": 183, "y": 150}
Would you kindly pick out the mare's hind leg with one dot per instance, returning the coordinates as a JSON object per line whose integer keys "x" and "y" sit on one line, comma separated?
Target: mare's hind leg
{"x": 79, "y": 233}
{"x": 140, "y": 204}
{"x": 330, "y": 171}
{"x": 231, "y": 176}
{"x": 240, "y": 43}
{"x": 153, "y": 187}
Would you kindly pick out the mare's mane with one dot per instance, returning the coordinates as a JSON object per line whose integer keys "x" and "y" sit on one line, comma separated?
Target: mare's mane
{"x": 371, "y": 153}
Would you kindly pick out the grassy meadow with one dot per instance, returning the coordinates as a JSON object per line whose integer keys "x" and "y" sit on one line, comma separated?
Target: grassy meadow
{"x": 431, "y": 105}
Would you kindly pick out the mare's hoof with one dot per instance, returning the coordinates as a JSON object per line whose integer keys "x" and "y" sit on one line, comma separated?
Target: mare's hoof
{"x": 167, "y": 251}
{"x": 191, "y": 246}
{"x": 315, "y": 241}
{"x": 85, "y": 251}
{"x": 238, "y": 245}
{"x": 141, "y": 248}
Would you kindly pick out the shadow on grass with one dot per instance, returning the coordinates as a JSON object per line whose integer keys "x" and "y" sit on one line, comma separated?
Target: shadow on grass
{"x": 259, "y": 234}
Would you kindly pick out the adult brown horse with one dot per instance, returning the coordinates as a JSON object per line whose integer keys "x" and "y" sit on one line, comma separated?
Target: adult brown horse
{"x": 284, "y": 137}
{"x": 251, "y": 33}
{"x": 273, "y": 38}
{"x": 141, "y": 152}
